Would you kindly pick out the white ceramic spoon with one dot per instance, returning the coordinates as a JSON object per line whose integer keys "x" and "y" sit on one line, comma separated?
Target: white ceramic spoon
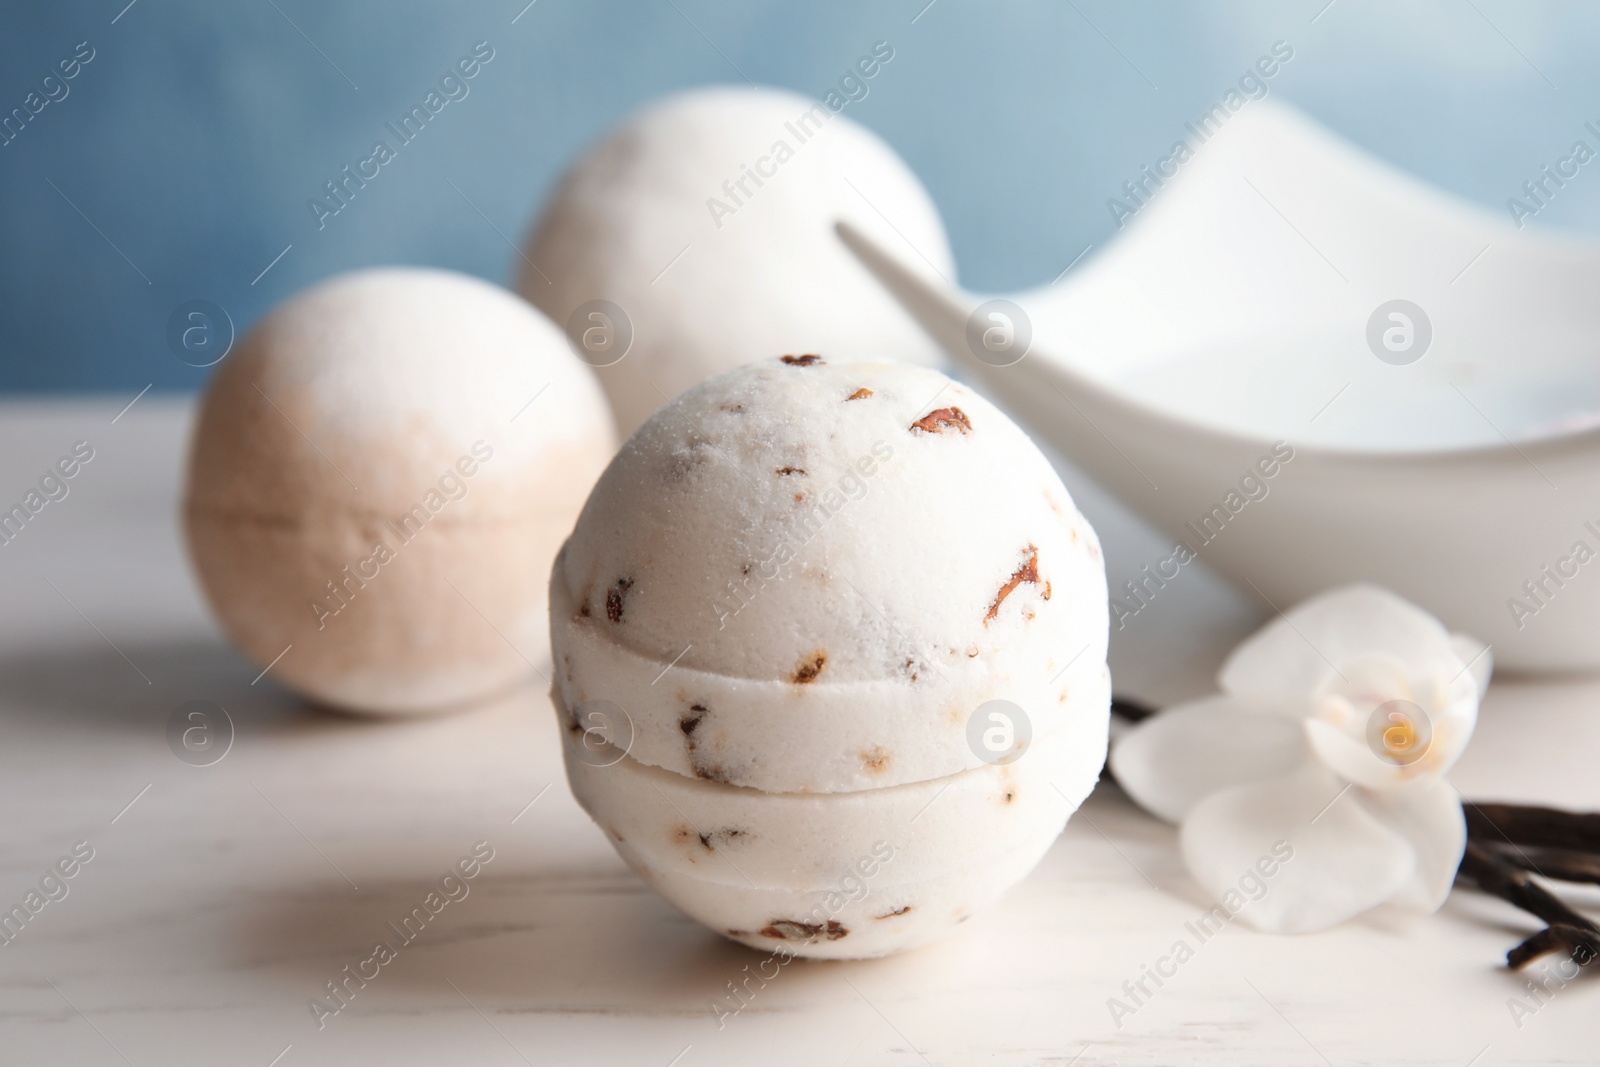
{"x": 1233, "y": 313}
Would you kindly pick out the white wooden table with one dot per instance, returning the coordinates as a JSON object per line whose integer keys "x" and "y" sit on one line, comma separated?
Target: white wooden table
{"x": 221, "y": 898}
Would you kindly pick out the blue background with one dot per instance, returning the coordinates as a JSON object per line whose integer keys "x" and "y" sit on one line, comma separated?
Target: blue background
{"x": 197, "y": 134}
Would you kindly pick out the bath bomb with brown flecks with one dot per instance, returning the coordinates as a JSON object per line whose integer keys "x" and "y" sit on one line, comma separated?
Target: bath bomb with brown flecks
{"x": 379, "y": 478}
{"x": 699, "y": 235}
{"x": 806, "y": 601}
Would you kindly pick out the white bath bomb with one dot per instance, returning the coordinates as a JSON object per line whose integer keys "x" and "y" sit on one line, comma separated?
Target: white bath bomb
{"x": 840, "y": 562}
{"x": 707, "y": 218}
{"x": 380, "y": 475}
{"x": 793, "y": 597}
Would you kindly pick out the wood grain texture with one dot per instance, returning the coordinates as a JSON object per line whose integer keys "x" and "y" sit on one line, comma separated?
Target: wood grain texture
{"x": 227, "y": 896}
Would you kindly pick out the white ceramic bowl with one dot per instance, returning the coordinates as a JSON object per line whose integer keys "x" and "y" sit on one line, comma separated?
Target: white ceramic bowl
{"x": 1233, "y": 314}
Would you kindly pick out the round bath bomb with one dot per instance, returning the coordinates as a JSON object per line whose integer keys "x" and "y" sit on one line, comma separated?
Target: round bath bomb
{"x": 699, "y": 235}
{"x": 380, "y": 475}
{"x": 793, "y": 607}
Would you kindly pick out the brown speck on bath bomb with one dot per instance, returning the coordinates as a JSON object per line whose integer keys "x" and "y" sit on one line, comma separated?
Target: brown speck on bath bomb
{"x": 803, "y": 361}
{"x": 791, "y": 470}
{"x": 807, "y": 672}
{"x": 876, "y": 760}
{"x": 724, "y": 837}
{"x": 614, "y": 597}
{"x": 794, "y": 930}
{"x": 894, "y": 913}
{"x": 860, "y": 394}
{"x": 709, "y": 773}
{"x": 688, "y": 723}
{"x": 1028, "y": 572}
{"x": 934, "y": 421}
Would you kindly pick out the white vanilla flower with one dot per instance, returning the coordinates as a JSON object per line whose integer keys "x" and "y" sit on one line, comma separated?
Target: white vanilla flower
{"x": 1333, "y": 732}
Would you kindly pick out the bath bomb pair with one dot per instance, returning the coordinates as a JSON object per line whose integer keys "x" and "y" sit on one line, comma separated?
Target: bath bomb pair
{"x": 379, "y": 478}
{"x": 830, "y": 648}
{"x": 357, "y": 413}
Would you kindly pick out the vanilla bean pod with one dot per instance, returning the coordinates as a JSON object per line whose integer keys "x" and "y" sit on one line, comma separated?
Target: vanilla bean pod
{"x": 1502, "y": 879}
{"x": 1510, "y": 883}
{"x": 1526, "y": 824}
{"x": 1579, "y": 944}
{"x": 1130, "y": 710}
{"x": 1559, "y": 864}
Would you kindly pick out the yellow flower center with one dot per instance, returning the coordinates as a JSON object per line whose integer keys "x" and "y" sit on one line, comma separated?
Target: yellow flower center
{"x": 1399, "y": 739}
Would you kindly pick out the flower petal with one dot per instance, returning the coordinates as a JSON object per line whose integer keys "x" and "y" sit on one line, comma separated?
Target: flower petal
{"x": 1477, "y": 658}
{"x": 1351, "y": 759}
{"x": 1452, "y": 729}
{"x": 1172, "y": 761}
{"x": 1329, "y": 859}
{"x": 1294, "y": 656}
{"x": 1378, "y": 727}
{"x": 1428, "y": 814}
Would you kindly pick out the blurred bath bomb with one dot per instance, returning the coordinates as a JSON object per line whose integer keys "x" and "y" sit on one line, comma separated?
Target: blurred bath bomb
{"x": 380, "y": 477}
{"x": 804, "y": 603}
{"x": 699, "y": 235}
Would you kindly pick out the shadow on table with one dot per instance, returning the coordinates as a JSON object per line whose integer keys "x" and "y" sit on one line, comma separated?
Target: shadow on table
{"x": 96, "y": 687}
{"x": 594, "y": 940}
